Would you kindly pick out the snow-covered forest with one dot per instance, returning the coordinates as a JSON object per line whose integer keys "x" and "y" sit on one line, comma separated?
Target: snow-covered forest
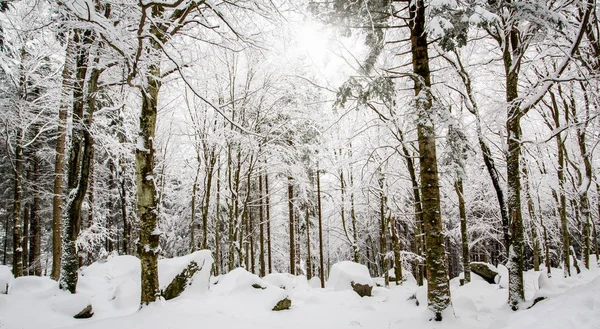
{"x": 271, "y": 163}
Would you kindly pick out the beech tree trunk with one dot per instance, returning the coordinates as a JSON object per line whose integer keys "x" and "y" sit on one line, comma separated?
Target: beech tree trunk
{"x": 148, "y": 248}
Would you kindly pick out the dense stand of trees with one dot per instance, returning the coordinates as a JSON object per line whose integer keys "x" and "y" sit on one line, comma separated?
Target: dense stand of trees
{"x": 461, "y": 131}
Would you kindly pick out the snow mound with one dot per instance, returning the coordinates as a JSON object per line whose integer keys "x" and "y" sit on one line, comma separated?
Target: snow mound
{"x": 315, "y": 282}
{"x": 255, "y": 294}
{"x": 40, "y": 287}
{"x": 113, "y": 284}
{"x": 69, "y": 304}
{"x": 238, "y": 280}
{"x": 344, "y": 273}
{"x": 281, "y": 280}
{"x": 6, "y": 277}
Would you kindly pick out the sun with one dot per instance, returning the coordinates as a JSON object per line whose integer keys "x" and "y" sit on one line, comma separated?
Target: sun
{"x": 315, "y": 41}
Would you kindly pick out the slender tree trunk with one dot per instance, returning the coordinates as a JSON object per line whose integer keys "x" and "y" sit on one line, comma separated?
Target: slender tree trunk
{"x": 308, "y": 256}
{"x": 193, "y": 205}
{"x": 438, "y": 289}
{"x": 124, "y": 213}
{"x": 562, "y": 206}
{"x": 291, "y": 220}
{"x": 79, "y": 159}
{"x": 36, "y": 227}
{"x": 218, "y": 264}
{"x": 383, "y": 230}
{"x": 419, "y": 239}
{"x": 458, "y": 187}
{"x": 25, "y": 242}
{"x": 261, "y": 219}
{"x": 59, "y": 163}
{"x": 92, "y": 182}
{"x": 148, "y": 248}
{"x": 210, "y": 167}
{"x": 268, "y": 213}
{"x": 532, "y": 225}
{"x": 320, "y": 214}
{"x": 396, "y": 248}
{"x": 6, "y": 230}
{"x": 18, "y": 197}
{"x": 355, "y": 247}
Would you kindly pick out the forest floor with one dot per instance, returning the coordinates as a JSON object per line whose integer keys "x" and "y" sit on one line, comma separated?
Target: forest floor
{"x": 112, "y": 287}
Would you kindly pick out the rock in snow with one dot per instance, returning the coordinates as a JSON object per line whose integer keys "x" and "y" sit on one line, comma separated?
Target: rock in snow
{"x": 344, "y": 273}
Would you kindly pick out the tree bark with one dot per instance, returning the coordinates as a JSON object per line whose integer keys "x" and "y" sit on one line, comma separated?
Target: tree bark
{"x": 59, "y": 163}
{"x": 458, "y": 187}
{"x": 18, "y": 197}
{"x": 36, "y": 227}
{"x": 261, "y": 218}
{"x": 308, "y": 256}
{"x": 291, "y": 225}
{"x": 438, "y": 289}
{"x": 268, "y": 213}
{"x": 320, "y": 214}
{"x": 25, "y": 242}
{"x": 80, "y": 157}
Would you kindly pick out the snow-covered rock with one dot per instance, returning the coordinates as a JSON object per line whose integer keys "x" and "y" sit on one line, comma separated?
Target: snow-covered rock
{"x": 33, "y": 285}
{"x": 344, "y": 273}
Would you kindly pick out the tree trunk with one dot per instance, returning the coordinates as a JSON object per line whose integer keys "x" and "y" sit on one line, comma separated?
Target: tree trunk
{"x": 210, "y": 165}
{"x": 92, "y": 182}
{"x": 532, "y": 225}
{"x": 261, "y": 219}
{"x": 193, "y": 206}
{"x": 396, "y": 248}
{"x": 268, "y": 213}
{"x": 148, "y": 248}
{"x": 516, "y": 294}
{"x": 308, "y": 256}
{"x": 438, "y": 289}
{"x": 320, "y": 214}
{"x": 18, "y": 197}
{"x": 383, "y": 230}
{"x": 355, "y": 247}
{"x": 562, "y": 207}
{"x": 80, "y": 157}
{"x": 291, "y": 224}
{"x": 458, "y": 187}
{"x": 218, "y": 264}
{"x": 36, "y": 225}
{"x": 25, "y": 242}
{"x": 59, "y": 163}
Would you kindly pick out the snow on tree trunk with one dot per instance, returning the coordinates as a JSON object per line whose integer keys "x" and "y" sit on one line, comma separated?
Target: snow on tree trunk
{"x": 438, "y": 289}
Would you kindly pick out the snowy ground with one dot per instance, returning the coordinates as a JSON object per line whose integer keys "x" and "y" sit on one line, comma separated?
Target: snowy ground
{"x": 112, "y": 288}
